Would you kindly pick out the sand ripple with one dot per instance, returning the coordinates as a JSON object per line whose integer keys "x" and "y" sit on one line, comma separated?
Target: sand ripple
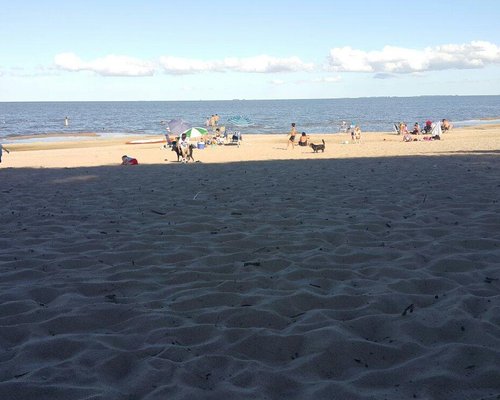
{"x": 371, "y": 279}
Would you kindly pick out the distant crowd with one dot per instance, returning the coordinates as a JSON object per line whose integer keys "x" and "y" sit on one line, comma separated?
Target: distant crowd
{"x": 433, "y": 129}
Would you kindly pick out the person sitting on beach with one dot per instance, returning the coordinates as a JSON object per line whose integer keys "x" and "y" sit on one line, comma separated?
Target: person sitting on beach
{"x": 218, "y": 138}
{"x": 407, "y": 137}
{"x": 126, "y": 160}
{"x": 183, "y": 146}
{"x": 303, "y": 139}
{"x": 428, "y": 127}
{"x": 1, "y": 150}
{"x": 403, "y": 128}
{"x": 291, "y": 138}
{"x": 435, "y": 132}
{"x": 446, "y": 125}
{"x": 416, "y": 129}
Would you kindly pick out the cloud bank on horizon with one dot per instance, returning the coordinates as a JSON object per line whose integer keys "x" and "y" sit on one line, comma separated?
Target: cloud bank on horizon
{"x": 383, "y": 63}
{"x": 475, "y": 54}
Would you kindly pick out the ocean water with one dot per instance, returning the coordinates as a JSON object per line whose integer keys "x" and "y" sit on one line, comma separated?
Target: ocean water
{"x": 269, "y": 116}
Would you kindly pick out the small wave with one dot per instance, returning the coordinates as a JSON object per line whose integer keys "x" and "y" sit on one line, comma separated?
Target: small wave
{"x": 480, "y": 121}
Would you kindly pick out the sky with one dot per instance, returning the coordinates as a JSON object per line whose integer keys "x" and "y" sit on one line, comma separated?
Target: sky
{"x": 150, "y": 50}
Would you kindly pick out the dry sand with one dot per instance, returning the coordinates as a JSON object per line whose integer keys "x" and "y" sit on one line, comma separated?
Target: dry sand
{"x": 368, "y": 272}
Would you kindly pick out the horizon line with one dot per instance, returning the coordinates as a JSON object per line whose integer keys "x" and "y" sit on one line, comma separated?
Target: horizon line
{"x": 230, "y": 100}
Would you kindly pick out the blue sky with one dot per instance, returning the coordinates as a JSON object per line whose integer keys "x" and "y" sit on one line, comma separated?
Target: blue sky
{"x": 207, "y": 50}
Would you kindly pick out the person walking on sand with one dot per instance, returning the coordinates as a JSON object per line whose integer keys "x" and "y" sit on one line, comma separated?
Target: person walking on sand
{"x": 1, "y": 151}
{"x": 291, "y": 138}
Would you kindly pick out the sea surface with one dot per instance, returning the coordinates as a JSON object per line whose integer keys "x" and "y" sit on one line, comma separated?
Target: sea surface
{"x": 268, "y": 116}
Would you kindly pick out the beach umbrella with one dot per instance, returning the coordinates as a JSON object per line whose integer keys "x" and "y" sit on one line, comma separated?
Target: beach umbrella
{"x": 239, "y": 120}
{"x": 195, "y": 132}
{"x": 177, "y": 126}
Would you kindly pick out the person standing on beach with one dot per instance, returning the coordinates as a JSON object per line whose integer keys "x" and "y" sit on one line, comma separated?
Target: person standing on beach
{"x": 357, "y": 134}
{"x": 1, "y": 150}
{"x": 291, "y": 138}
{"x": 212, "y": 122}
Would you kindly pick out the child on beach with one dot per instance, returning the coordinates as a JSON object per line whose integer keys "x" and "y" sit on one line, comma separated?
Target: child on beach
{"x": 291, "y": 138}
{"x": 357, "y": 134}
{"x": 1, "y": 150}
{"x": 126, "y": 160}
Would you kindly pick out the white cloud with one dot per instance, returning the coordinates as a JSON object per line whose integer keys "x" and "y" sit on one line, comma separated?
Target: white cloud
{"x": 390, "y": 59}
{"x": 114, "y": 65}
{"x": 277, "y": 82}
{"x": 110, "y": 65}
{"x": 257, "y": 64}
{"x": 385, "y": 63}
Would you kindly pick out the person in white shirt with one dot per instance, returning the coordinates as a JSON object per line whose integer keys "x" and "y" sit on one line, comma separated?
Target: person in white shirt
{"x": 183, "y": 146}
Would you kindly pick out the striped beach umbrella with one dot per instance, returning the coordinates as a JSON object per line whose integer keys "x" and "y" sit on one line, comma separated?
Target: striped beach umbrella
{"x": 195, "y": 132}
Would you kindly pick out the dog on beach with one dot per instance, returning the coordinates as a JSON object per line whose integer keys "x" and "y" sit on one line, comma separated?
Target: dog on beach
{"x": 318, "y": 147}
{"x": 189, "y": 153}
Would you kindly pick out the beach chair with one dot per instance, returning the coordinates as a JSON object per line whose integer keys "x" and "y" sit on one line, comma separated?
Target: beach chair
{"x": 169, "y": 141}
{"x": 234, "y": 138}
{"x": 344, "y": 127}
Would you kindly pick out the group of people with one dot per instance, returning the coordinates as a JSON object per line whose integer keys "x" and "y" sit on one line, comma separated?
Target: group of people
{"x": 355, "y": 131}
{"x": 433, "y": 129}
{"x": 212, "y": 122}
{"x": 302, "y": 141}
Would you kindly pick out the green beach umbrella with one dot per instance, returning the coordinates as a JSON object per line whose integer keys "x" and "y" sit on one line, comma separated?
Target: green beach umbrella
{"x": 195, "y": 132}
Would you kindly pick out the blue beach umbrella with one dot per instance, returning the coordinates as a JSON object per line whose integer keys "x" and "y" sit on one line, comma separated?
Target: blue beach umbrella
{"x": 239, "y": 120}
{"x": 177, "y": 126}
